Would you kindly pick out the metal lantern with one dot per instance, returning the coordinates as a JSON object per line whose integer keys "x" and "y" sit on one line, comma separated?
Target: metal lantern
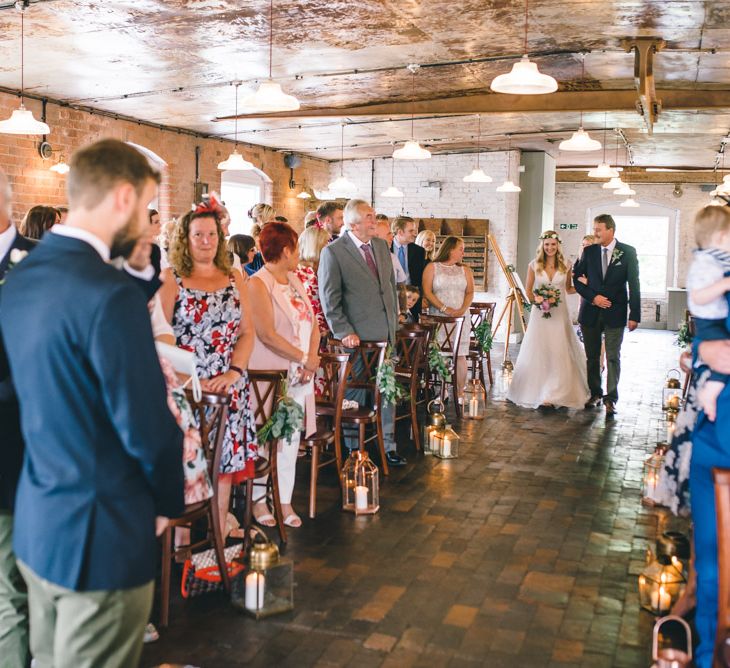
{"x": 671, "y": 657}
{"x": 661, "y": 583}
{"x": 475, "y": 400}
{"x": 652, "y": 469}
{"x": 447, "y": 443}
{"x": 436, "y": 423}
{"x": 267, "y": 587}
{"x": 360, "y": 493}
{"x": 672, "y": 394}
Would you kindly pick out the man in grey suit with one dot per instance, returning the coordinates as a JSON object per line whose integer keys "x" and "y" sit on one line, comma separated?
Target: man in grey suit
{"x": 358, "y": 295}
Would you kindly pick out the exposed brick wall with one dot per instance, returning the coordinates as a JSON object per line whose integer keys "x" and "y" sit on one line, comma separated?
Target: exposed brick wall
{"x": 34, "y": 184}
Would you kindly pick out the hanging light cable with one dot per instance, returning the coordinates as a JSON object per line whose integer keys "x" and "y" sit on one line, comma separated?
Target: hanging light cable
{"x": 342, "y": 186}
{"x": 581, "y": 140}
{"x": 21, "y": 121}
{"x": 625, "y": 190}
{"x": 391, "y": 190}
{"x": 477, "y": 175}
{"x": 412, "y": 150}
{"x": 235, "y": 161}
{"x": 524, "y": 78}
{"x": 604, "y": 170}
{"x": 508, "y": 186}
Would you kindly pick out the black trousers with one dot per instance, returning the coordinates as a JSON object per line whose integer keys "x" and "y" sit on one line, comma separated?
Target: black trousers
{"x": 592, "y": 341}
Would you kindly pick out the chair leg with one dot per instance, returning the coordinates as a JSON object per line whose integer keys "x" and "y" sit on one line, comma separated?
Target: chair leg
{"x": 361, "y": 437}
{"x": 414, "y": 425}
{"x": 489, "y": 367}
{"x": 455, "y": 393}
{"x": 338, "y": 450}
{"x": 381, "y": 443}
{"x": 248, "y": 514}
{"x": 313, "y": 482}
{"x": 217, "y": 539}
{"x": 274, "y": 485}
{"x": 165, "y": 577}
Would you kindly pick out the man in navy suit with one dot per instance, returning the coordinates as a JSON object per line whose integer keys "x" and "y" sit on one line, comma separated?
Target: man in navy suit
{"x": 13, "y": 596}
{"x": 410, "y": 256}
{"x": 102, "y": 467}
{"x": 607, "y": 279}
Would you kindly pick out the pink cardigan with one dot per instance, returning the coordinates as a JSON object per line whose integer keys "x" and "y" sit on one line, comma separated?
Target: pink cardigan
{"x": 265, "y": 359}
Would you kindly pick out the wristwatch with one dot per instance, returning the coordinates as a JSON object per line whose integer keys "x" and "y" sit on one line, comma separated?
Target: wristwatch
{"x": 237, "y": 369}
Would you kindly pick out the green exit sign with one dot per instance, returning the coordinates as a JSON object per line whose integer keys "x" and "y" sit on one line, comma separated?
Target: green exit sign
{"x": 566, "y": 226}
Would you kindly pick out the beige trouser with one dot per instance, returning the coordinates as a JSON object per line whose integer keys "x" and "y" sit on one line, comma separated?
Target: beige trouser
{"x": 13, "y": 602}
{"x": 86, "y": 629}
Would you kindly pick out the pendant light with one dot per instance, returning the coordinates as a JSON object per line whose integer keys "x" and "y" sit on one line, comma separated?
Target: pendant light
{"x": 614, "y": 183}
{"x": 604, "y": 170}
{"x": 630, "y": 203}
{"x": 60, "y": 167}
{"x": 625, "y": 190}
{"x": 21, "y": 121}
{"x": 477, "y": 175}
{"x": 581, "y": 140}
{"x": 235, "y": 162}
{"x": 524, "y": 78}
{"x": 391, "y": 190}
{"x": 269, "y": 97}
{"x": 412, "y": 150}
{"x": 304, "y": 195}
{"x": 508, "y": 186}
{"x": 341, "y": 186}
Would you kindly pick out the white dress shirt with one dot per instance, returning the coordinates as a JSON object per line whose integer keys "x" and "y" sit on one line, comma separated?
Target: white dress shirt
{"x": 359, "y": 244}
{"x": 400, "y": 275}
{"x": 6, "y": 240}
{"x": 396, "y": 249}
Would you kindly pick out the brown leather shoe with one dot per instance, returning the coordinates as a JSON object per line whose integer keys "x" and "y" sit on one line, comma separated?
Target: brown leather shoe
{"x": 610, "y": 407}
{"x": 593, "y": 402}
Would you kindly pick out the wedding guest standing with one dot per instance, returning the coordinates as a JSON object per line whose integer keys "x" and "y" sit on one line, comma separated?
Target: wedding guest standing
{"x": 13, "y": 596}
{"x": 426, "y": 239}
{"x": 410, "y": 256}
{"x": 102, "y": 458}
{"x": 311, "y": 242}
{"x": 358, "y": 294}
{"x": 206, "y": 303}
{"x": 243, "y": 247}
{"x": 448, "y": 285}
{"x": 383, "y": 231}
{"x": 330, "y": 218}
{"x": 260, "y": 215}
{"x": 38, "y": 220}
{"x": 287, "y": 338}
{"x": 155, "y": 230}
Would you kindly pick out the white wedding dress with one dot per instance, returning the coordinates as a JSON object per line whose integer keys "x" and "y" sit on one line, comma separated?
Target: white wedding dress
{"x": 551, "y": 365}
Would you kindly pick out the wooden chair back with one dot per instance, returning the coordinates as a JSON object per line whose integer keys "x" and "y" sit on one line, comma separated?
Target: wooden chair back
{"x": 410, "y": 347}
{"x": 490, "y": 308}
{"x": 362, "y": 366}
{"x": 722, "y": 508}
{"x": 447, "y": 334}
{"x": 333, "y": 367}
{"x": 266, "y": 389}
{"x": 211, "y": 413}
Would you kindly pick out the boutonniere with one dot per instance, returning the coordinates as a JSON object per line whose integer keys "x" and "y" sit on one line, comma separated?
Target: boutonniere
{"x": 616, "y": 255}
{"x": 16, "y": 257}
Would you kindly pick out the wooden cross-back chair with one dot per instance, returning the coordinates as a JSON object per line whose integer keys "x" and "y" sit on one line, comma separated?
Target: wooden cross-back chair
{"x": 692, "y": 329}
{"x": 410, "y": 345}
{"x": 447, "y": 336}
{"x": 211, "y": 413}
{"x": 484, "y": 313}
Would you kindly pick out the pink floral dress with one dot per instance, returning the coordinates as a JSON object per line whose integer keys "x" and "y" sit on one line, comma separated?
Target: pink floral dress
{"x": 206, "y": 323}
{"x": 310, "y": 281}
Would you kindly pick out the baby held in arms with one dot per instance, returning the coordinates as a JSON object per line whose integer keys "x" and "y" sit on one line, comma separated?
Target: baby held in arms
{"x": 708, "y": 283}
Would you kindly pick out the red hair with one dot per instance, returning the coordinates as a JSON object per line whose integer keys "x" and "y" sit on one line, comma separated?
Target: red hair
{"x": 274, "y": 238}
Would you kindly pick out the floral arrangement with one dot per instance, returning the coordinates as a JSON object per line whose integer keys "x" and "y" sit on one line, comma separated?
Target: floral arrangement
{"x": 547, "y": 297}
{"x": 616, "y": 255}
{"x": 551, "y": 235}
{"x": 483, "y": 335}
{"x": 436, "y": 362}
{"x": 390, "y": 389}
{"x": 16, "y": 257}
{"x": 286, "y": 420}
{"x": 684, "y": 338}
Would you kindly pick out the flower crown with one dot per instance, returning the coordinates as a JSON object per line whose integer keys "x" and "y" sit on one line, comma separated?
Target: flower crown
{"x": 551, "y": 235}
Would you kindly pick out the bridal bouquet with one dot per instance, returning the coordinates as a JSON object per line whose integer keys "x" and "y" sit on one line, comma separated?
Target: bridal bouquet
{"x": 547, "y": 297}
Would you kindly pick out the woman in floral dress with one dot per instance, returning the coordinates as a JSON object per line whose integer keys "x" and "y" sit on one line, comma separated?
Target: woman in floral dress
{"x": 207, "y": 305}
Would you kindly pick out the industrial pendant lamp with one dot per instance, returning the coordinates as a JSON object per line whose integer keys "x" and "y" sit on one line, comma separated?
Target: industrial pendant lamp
{"x": 524, "y": 78}
{"x": 391, "y": 190}
{"x": 412, "y": 150}
{"x": 581, "y": 140}
{"x": 625, "y": 190}
{"x": 477, "y": 175}
{"x": 341, "y": 186}
{"x": 21, "y": 121}
{"x": 508, "y": 186}
{"x": 604, "y": 170}
{"x": 269, "y": 97}
{"x": 235, "y": 162}
{"x": 60, "y": 167}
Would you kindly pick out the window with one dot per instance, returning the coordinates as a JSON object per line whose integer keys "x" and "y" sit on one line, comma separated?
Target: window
{"x": 650, "y": 236}
{"x": 240, "y": 191}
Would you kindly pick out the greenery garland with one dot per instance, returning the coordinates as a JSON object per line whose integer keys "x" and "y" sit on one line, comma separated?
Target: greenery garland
{"x": 483, "y": 335}
{"x": 286, "y": 420}
{"x": 684, "y": 338}
{"x": 437, "y": 364}
{"x": 390, "y": 389}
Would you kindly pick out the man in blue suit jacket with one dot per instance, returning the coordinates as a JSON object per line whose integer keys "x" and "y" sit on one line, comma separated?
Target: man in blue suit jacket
{"x": 103, "y": 459}
{"x": 602, "y": 276}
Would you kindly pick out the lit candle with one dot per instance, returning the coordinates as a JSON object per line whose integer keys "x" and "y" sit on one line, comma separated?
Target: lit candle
{"x": 474, "y": 407}
{"x": 433, "y": 440}
{"x": 446, "y": 448}
{"x": 674, "y": 403}
{"x": 361, "y": 497}
{"x": 254, "y": 599}
{"x": 661, "y": 600}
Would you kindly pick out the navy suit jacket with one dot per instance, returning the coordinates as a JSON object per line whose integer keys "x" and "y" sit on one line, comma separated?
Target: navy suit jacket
{"x": 12, "y": 440}
{"x": 103, "y": 452}
{"x": 416, "y": 264}
{"x": 622, "y": 273}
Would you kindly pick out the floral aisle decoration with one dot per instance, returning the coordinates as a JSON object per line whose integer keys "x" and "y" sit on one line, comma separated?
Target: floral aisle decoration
{"x": 390, "y": 389}
{"x": 483, "y": 335}
{"x": 437, "y": 364}
{"x": 286, "y": 420}
{"x": 547, "y": 297}
{"x": 684, "y": 337}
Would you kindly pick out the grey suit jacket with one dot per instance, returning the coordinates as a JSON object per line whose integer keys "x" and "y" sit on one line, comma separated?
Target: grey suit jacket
{"x": 353, "y": 301}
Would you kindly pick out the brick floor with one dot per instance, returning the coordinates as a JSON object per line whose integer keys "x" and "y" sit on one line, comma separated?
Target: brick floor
{"x": 523, "y": 552}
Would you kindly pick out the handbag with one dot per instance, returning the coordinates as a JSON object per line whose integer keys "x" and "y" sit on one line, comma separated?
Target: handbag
{"x": 201, "y": 575}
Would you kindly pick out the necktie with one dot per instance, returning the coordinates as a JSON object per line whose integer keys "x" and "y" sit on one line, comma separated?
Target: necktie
{"x": 402, "y": 258}
{"x": 604, "y": 262}
{"x": 369, "y": 258}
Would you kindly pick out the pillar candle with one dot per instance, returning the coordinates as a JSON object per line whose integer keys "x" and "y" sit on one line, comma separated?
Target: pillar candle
{"x": 446, "y": 448}
{"x": 254, "y": 599}
{"x": 474, "y": 407}
{"x": 361, "y": 497}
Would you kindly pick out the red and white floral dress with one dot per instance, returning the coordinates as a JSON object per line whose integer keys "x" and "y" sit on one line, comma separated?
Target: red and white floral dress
{"x": 310, "y": 281}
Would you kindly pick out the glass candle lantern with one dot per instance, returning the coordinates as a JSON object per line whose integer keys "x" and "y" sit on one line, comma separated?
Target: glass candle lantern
{"x": 661, "y": 583}
{"x": 447, "y": 443}
{"x": 672, "y": 394}
{"x": 671, "y": 656}
{"x": 435, "y": 423}
{"x": 360, "y": 492}
{"x": 267, "y": 587}
{"x": 475, "y": 400}
{"x": 652, "y": 469}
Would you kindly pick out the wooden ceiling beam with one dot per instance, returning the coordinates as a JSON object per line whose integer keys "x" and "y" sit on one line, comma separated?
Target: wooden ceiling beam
{"x": 638, "y": 175}
{"x": 563, "y": 101}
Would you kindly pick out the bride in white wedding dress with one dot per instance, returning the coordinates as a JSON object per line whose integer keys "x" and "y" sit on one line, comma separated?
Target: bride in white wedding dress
{"x": 551, "y": 365}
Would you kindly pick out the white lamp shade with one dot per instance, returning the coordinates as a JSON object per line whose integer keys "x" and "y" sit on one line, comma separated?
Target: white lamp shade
{"x": 726, "y": 179}
{"x": 304, "y": 195}
{"x": 630, "y": 203}
{"x": 342, "y": 187}
{"x": 391, "y": 191}
{"x": 60, "y": 168}
{"x": 717, "y": 202}
{"x": 524, "y": 79}
{"x": 580, "y": 141}
{"x": 625, "y": 191}
{"x": 235, "y": 163}
{"x": 722, "y": 189}
{"x": 269, "y": 98}
{"x": 603, "y": 171}
{"x": 509, "y": 187}
{"x": 477, "y": 176}
{"x": 614, "y": 183}
{"x": 21, "y": 122}
{"x": 411, "y": 150}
